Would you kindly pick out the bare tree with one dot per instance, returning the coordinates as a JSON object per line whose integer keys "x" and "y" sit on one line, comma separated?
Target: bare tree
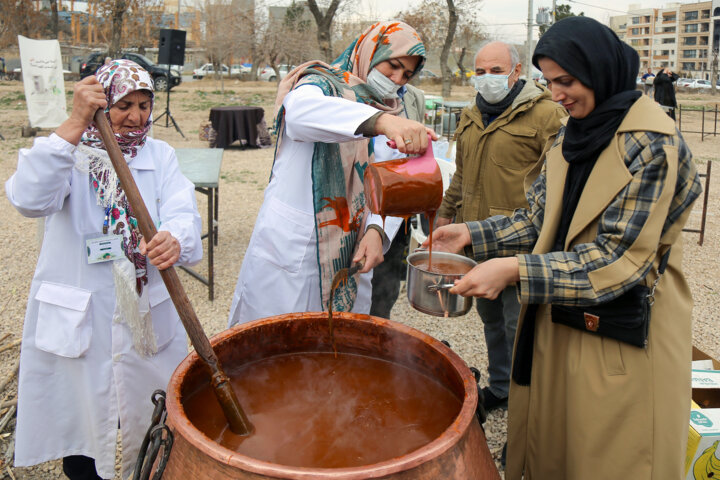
{"x": 54, "y": 18}
{"x": 142, "y": 24}
{"x": 298, "y": 29}
{"x": 287, "y": 39}
{"x": 445, "y": 52}
{"x": 324, "y": 26}
{"x": 221, "y": 34}
{"x": 19, "y": 18}
{"x": 456, "y": 31}
{"x": 118, "y": 8}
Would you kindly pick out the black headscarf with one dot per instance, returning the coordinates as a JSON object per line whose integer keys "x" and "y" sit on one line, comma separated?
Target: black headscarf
{"x": 592, "y": 53}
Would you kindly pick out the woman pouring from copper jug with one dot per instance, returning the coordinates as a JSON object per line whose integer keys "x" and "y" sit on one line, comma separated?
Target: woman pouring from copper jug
{"x": 595, "y": 394}
{"x": 101, "y": 333}
{"x": 312, "y": 221}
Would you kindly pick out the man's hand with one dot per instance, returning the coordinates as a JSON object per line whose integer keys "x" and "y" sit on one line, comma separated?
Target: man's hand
{"x": 450, "y": 238}
{"x": 488, "y": 279}
{"x": 370, "y": 248}
{"x": 162, "y": 251}
{"x": 410, "y": 136}
{"x": 442, "y": 221}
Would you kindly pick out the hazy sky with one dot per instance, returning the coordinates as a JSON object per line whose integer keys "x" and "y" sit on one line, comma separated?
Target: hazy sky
{"x": 507, "y": 19}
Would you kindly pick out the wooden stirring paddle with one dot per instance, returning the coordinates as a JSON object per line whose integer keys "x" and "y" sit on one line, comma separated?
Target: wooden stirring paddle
{"x": 234, "y": 414}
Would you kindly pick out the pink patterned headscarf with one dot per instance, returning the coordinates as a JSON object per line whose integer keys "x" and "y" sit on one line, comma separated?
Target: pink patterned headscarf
{"x": 119, "y": 78}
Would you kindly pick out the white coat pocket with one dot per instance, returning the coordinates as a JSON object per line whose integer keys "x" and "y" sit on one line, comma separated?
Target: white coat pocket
{"x": 63, "y": 326}
{"x": 165, "y": 320}
{"x": 282, "y": 236}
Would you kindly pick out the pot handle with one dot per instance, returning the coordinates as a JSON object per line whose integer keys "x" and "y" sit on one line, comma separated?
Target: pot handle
{"x": 439, "y": 286}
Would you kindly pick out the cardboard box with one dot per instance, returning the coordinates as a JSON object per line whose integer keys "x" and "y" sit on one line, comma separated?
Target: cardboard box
{"x": 705, "y": 382}
{"x": 703, "y": 455}
{"x": 702, "y": 461}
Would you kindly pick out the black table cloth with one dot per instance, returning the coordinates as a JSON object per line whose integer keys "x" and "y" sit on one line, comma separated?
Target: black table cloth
{"x": 243, "y": 123}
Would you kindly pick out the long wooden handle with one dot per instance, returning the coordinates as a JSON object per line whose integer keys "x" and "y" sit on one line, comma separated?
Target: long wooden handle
{"x": 236, "y": 417}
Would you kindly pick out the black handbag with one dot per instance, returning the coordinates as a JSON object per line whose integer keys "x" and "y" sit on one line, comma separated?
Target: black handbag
{"x": 625, "y": 318}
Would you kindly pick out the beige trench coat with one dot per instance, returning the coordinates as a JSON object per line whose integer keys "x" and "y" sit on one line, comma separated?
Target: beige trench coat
{"x": 597, "y": 408}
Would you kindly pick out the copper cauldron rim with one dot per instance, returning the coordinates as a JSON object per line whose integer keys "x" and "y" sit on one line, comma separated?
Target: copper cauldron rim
{"x": 438, "y": 446}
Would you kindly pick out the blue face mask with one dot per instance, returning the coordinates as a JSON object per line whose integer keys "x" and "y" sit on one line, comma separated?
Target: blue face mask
{"x": 493, "y": 88}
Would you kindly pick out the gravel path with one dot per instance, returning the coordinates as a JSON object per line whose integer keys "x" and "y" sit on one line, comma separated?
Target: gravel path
{"x": 244, "y": 175}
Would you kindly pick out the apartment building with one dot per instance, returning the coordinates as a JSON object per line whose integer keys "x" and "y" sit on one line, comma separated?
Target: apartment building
{"x": 694, "y": 48}
{"x": 677, "y": 36}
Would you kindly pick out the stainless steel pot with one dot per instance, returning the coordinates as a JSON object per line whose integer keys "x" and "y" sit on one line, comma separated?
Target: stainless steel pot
{"x": 428, "y": 291}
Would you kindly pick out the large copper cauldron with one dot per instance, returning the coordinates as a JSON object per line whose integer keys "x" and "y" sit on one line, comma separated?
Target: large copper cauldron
{"x": 460, "y": 452}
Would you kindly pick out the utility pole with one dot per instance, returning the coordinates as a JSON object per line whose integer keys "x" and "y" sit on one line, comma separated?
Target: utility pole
{"x": 553, "y": 12}
{"x": 528, "y": 55}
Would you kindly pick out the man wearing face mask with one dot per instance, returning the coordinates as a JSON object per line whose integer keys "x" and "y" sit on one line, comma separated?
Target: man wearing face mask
{"x": 499, "y": 141}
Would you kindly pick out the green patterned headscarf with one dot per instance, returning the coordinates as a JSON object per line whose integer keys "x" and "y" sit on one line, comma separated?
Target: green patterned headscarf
{"x": 338, "y": 168}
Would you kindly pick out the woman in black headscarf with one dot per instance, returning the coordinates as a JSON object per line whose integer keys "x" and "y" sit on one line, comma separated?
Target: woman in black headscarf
{"x": 664, "y": 84}
{"x": 614, "y": 191}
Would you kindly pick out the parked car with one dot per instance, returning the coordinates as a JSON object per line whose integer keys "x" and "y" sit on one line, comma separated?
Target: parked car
{"x": 701, "y": 84}
{"x": 427, "y": 75}
{"x": 685, "y": 82}
{"x": 237, "y": 70}
{"x": 536, "y": 76}
{"x": 269, "y": 75}
{"x": 468, "y": 73}
{"x": 157, "y": 72}
{"x": 209, "y": 69}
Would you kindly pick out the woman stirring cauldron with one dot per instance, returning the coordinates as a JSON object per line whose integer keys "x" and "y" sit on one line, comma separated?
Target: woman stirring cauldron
{"x": 101, "y": 333}
{"x": 613, "y": 194}
{"x": 311, "y": 223}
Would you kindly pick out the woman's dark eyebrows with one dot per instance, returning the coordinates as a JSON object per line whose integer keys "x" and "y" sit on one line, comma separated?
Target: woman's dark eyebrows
{"x": 402, "y": 64}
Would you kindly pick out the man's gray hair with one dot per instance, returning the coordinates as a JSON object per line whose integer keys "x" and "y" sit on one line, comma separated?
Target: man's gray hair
{"x": 514, "y": 55}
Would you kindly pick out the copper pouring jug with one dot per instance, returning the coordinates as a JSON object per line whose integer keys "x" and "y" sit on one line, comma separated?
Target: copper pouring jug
{"x": 405, "y": 186}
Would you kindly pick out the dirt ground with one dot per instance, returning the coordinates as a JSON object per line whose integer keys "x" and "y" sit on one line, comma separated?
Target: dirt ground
{"x": 243, "y": 177}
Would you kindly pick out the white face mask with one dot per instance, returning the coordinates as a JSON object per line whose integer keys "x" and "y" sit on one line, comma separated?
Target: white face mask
{"x": 384, "y": 87}
{"x": 493, "y": 88}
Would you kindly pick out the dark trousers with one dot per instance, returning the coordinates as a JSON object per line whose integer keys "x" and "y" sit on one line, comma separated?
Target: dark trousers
{"x": 80, "y": 467}
{"x": 388, "y": 275}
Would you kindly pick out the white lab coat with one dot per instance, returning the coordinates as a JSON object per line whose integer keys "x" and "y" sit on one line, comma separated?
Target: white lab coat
{"x": 279, "y": 273}
{"x": 73, "y": 391}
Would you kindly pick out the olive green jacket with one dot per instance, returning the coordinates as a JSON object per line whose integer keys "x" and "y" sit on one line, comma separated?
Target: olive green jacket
{"x": 414, "y": 101}
{"x": 492, "y": 162}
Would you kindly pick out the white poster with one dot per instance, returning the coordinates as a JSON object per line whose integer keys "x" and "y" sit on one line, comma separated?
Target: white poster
{"x": 42, "y": 73}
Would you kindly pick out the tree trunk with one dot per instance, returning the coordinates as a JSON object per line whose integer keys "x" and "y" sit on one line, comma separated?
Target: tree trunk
{"x": 459, "y": 60}
{"x": 323, "y": 36}
{"x": 324, "y": 25}
{"x": 119, "y": 7}
{"x": 445, "y": 53}
{"x": 54, "y": 18}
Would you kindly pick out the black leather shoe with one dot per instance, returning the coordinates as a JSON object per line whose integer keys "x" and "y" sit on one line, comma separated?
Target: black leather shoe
{"x": 491, "y": 402}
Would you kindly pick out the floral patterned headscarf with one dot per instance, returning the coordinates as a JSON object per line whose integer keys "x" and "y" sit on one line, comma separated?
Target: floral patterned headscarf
{"x": 119, "y": 78}
{"x": 338, "y": 168}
